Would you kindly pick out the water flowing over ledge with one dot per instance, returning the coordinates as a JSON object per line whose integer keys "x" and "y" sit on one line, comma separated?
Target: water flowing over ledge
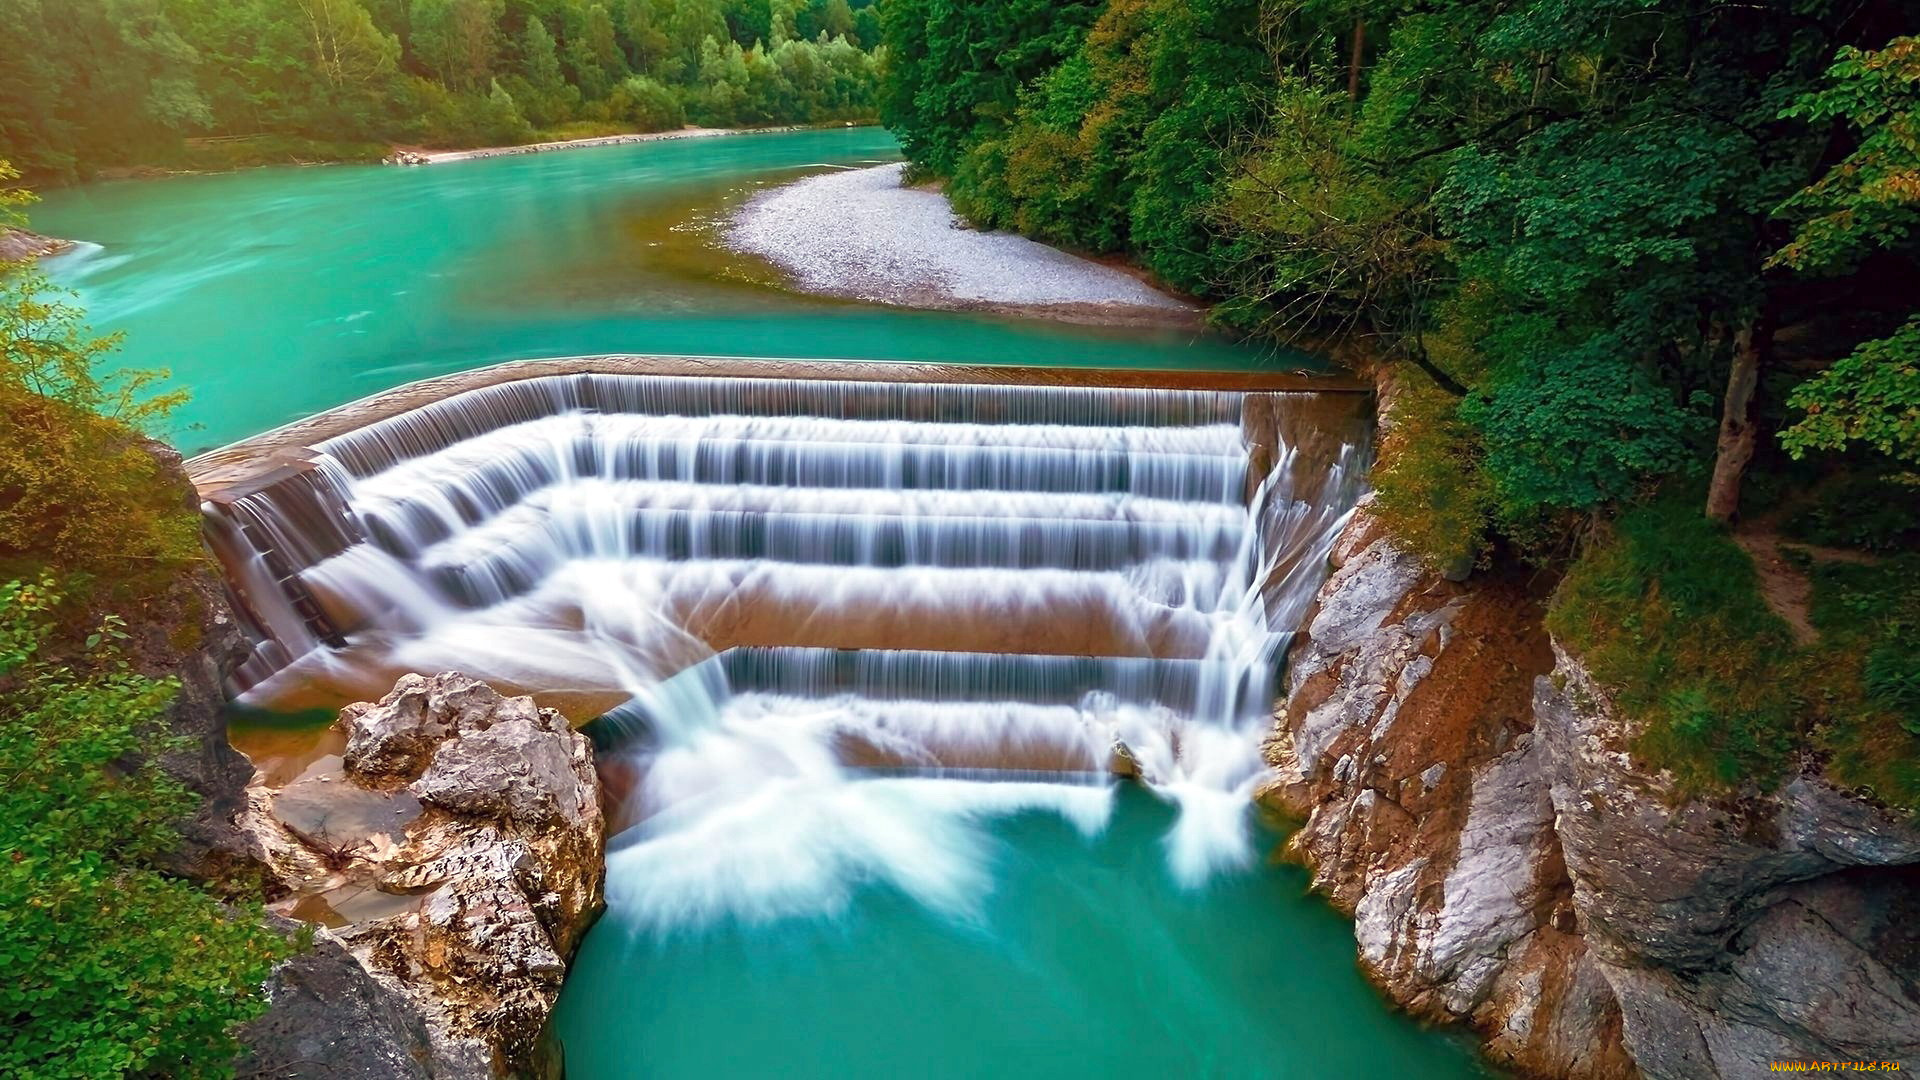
{"x": 839, "y": 623}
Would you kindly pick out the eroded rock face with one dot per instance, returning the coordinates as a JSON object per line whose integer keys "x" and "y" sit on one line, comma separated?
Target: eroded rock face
{"x": 1467, "y": 796}
{"x": 1739, "y": 933}
{"x": 1406, "y": 745}
{"x": 458, "y": 849}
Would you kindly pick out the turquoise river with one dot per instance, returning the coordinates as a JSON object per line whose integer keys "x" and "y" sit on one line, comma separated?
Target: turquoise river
{"x": 1074, "y": 952}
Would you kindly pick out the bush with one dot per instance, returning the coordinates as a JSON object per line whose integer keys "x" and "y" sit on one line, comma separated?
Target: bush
{"x": 108, "y": 967}
{"x": 649, "y": 105}
{"x": 1867, "y": 510}
{"x": 1431, "y": 492}
{"x": 79, "y": 486}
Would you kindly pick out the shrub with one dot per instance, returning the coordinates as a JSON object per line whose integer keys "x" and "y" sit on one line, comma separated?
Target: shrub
{"x": 649, "y": 104}
{"x": 79, "y": 486}
{"x": 1431, "y": 492}
{"x": 108, "y": 967}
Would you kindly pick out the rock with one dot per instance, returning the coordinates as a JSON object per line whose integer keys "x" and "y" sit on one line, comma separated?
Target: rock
{"x": 19, "y": 245}
{"x": 1776, "y": 927}
{"x": 330, "y": 1019}
{"x": 191, "y": 635}
{"x": 1122, "y": 763}
{"x": 396, "y": 735}
{"x": 514, "y": 771}
{"x": 1468, "y": 797}
{"x": 1405, "y": 743}
{"x": 493, "y": 878}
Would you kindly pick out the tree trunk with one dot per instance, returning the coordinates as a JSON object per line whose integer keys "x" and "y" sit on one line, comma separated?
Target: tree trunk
{"x": 1737, "y": 432}
{"x": 1353, "y": 63}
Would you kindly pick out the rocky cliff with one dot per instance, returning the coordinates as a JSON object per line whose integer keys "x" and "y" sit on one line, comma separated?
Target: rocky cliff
{"x": 1465, "y": 794}
{"x": 456, "y": 856}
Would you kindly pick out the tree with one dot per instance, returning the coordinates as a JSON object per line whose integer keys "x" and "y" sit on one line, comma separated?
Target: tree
{"x": 457, "y": 41}
{"x": 354, "y": 59}
{"x": 1868, "y": 201}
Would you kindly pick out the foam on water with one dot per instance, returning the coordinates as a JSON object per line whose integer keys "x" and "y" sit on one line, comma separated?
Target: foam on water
{"x": 853, "y": 623}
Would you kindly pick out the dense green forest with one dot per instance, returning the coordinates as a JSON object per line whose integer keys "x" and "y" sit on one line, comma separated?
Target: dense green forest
{"x": 1647, "y": 267}
{"x": 93, "y": 84}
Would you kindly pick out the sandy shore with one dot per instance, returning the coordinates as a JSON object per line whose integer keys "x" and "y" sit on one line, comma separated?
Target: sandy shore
{"x": 859, "y": 234}
{"x": 410, "y": 156}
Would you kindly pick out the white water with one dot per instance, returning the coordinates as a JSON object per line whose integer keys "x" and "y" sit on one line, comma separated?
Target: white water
{"x": 854, "y": 622}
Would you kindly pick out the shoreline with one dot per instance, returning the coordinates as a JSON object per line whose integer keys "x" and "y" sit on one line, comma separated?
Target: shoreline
{"x": 426, "y": 156}
{"x": 860, "y": 234}
{"x": 20, "y": 245}
{"x": 423, "y": 156}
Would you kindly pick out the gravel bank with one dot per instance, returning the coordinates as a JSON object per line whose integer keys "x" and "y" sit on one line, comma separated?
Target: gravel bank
{"x": 410, "y": 156}
{"x": 859, "y": 234}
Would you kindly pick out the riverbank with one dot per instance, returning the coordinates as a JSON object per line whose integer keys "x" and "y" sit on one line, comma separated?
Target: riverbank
{"x": 860, "y": 234}
{"x": 423, "y": 156}
{"x": 19, "y": 245}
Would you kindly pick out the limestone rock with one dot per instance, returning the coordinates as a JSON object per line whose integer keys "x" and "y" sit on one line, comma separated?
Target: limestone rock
{"x": 513, "y": 770}
{"x": 1734, "y": 933}
{"x": 396, "y": 735}
{"x": 329, "y": 1019}
{"x": 1405, "y": 743}
{"x": 468, "y": 906}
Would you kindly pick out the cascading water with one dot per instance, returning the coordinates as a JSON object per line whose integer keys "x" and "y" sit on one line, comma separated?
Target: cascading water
{"x": 844, "y": 623}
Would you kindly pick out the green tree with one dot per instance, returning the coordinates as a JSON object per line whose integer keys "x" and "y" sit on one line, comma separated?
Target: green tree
{"x": 457, "y": 41}
{"x": 1867, "y": 201}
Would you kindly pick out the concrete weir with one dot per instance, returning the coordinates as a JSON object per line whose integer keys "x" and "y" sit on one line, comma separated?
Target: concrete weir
{"x": 599, "y": 523}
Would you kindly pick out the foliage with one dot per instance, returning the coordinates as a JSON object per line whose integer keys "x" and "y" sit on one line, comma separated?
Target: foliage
{"x": 1867, "y": 201}
{"x": 1665, "y": 609}
{"x": 1431, "y": 492}
{"x": 1868, "y": 614}
{"x": 108, "y": 967}
{"x": 71, "y": 452}
{"x": 1868, "y": 510}
{"x": 1871, "y": 396}
{"x": 91, "y": 84}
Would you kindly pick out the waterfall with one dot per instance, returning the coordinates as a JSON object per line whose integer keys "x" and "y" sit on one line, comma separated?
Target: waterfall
{"x": 834, "y": 626}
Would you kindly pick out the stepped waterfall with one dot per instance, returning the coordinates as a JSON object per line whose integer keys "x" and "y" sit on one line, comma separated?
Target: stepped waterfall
{"x": 829, "y": 628}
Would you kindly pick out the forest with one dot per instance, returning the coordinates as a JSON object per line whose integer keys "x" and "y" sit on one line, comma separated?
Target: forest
{"x": 89, "y": 85}
{"x": 1642, "y": 270}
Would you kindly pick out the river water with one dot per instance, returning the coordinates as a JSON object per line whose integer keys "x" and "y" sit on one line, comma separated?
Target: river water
{"x": 274, "y": 293}
{"x": 777, "y": 911}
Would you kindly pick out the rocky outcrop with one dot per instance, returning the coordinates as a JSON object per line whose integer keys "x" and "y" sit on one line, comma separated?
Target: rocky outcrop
{"x": 1406, "y": 745}
{"x": 19, "y": 245}
{"x": 189, "y": 634}
{"x": 1734, "y": 933}
{"x": 1466, "y": 795}
{"x": 457, "y": 853}
{"x": 331, "y": 1020}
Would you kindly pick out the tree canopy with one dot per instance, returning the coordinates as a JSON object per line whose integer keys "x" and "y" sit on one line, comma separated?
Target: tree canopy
{"x": 90, "y": 84}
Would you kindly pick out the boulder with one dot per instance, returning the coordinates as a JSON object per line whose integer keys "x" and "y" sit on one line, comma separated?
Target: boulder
{"x": 463, "y": 839}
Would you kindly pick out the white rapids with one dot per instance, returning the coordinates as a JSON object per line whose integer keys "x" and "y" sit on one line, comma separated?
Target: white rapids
{"x": 845, "y": 625}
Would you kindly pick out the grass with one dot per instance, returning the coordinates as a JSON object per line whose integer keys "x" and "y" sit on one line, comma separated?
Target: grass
{"x": 1665, "y": 609}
